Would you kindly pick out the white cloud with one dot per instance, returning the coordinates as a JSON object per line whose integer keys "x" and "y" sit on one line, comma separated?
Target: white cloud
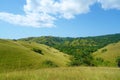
{"x": 32, "y": 20}
{"x": 110, "y": 4}
{"x": 43, "y": 13}
{"x": 63, "y": 8}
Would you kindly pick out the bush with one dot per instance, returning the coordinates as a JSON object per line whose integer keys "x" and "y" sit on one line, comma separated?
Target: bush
{"x": 118, "y": 61}
{"x": 49, "y": 63}
{"x": 104, "y": 50}
{"x": 74, "y": 62}
{"x": 82, "y": 59}
{"x": 101, "y": 62}
{"x": 37, "y": 51}
{"x": 14, "y": 39}
{"x": 98, "y": 61}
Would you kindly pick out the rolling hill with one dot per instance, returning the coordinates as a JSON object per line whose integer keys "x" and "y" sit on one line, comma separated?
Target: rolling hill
{"x": 81, "y": 48}
{"x": 20, "y": 55}
{"x": 109, "y": 54}
{"x": 39, "y": 52}
{"x": 75, "y": 45}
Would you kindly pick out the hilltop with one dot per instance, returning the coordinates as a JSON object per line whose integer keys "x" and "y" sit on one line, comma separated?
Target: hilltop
{"x": 71, "y": 45}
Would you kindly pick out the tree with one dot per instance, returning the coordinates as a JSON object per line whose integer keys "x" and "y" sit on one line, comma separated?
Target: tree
{"x": 37, "y": 51}
{"x": 84, "y": 58}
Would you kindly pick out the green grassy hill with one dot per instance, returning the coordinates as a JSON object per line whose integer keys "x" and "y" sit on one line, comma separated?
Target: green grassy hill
{"x": 81, "y": 48}
{"x": 109, "y": 53}
{"x": 18, "y": 55}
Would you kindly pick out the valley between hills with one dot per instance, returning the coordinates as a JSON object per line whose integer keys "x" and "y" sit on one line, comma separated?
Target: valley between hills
{"x": 60, "y": 58}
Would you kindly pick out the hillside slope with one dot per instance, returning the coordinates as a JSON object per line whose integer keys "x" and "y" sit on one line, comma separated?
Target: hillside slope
{"x": 81, "y": 48}
{"x": 17, "y": 55}
{"x": 109, "y": 53}
{"x": 76, "y": 45}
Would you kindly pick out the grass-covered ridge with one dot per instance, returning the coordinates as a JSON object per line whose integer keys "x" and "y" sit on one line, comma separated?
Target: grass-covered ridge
{"x": 109, "y": 54}
{"x": 71, "y": 73}
{"x": 17, "y": 55}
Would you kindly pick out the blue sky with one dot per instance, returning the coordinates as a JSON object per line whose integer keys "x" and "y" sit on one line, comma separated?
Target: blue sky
{"x": 26, "y": 18}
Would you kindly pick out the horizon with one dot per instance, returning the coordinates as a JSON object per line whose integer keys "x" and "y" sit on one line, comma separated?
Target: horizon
{"x": 59, "y": 36}
{"x": 32, "y": 18}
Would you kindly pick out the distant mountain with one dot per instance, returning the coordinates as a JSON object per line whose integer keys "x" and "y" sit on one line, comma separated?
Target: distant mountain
{"x": 20, "y": 55}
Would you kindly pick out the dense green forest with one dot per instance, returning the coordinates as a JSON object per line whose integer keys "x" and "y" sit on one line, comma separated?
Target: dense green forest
{"x": 80, "y": 48}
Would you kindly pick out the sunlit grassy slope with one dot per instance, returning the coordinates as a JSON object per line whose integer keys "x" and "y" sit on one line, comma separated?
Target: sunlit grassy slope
{"x": 17, "y": 55}
{"x": 109, "y": 53}
{"x": 72, "y": 73}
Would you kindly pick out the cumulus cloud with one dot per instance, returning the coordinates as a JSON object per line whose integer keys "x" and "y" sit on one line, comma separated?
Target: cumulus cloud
{"x": 32, "y": 20}
{"x": 110, "y": 4}
{"x": 43, "y": 13}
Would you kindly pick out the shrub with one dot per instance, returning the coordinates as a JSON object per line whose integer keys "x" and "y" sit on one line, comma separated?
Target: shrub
{"x": 118, "y": 61}
{"x": 104, "y": 50}
{"x": 81, "y": 59}
{"x": 37, "y": 51}
{"x": 14, "y": 39}
{"x": 49, "y": 63}
{"x": 101, "y": 62}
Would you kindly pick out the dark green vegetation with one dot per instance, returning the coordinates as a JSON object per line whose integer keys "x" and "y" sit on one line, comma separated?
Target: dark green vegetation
{"x": 118, "y": 61}
{"x": 80, "y": 48}
{"x": 20, "y": 55}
